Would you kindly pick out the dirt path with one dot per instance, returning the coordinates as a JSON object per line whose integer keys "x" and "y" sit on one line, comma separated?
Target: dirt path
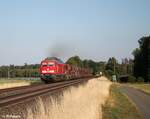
{"x": 141, "y": 99}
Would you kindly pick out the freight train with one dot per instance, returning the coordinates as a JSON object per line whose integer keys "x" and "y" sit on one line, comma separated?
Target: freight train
{"x": 53, "y": 69}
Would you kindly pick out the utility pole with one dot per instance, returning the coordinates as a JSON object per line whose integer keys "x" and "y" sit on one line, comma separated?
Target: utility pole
{"x": 114, "y": 76}
{"x": 114, "y": 68}
{"x": 8, "y": 73}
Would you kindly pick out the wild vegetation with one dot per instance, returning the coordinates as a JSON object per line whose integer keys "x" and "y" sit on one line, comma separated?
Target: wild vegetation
{"x": 82, "y": 102}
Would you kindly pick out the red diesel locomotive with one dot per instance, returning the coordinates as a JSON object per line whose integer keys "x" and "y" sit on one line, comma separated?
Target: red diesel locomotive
{"x": 53, "y": 69}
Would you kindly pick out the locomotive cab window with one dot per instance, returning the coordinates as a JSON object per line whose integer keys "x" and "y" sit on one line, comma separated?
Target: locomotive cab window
{"x": 48, "y": 64}
{"x": 51, "y": 64}
{"x": 44, "y": 64}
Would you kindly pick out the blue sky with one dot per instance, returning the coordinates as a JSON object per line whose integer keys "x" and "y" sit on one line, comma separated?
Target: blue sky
{"x": 31, "y": 30}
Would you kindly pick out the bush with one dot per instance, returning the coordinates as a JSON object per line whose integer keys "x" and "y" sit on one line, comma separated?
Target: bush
{"x": 131, "y": 79}
{"x": 140, "y": 79}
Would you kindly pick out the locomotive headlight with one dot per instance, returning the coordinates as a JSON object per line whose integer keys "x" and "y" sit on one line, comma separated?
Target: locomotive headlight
{"x": 44, "y": 71}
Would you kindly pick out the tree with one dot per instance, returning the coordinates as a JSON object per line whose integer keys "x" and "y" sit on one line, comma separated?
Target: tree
{"x": 96, "y": 67}
{"x": 142, "y": 59}
{"x": 138, "y": 64}
{"x": 26, "y": 70}
{"x": 126, "y": 67}
{"x": 112, "y": 65}
{"x": 75, "y": 61}
{"x": 92, "y": 65}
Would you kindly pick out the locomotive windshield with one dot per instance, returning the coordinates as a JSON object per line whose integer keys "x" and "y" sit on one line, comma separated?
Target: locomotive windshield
{"x": 44, "y": 64}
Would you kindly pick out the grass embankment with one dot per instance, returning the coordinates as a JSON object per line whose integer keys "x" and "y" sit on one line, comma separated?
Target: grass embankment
{"x": 143, "y": 87}
{"x": 82, "y": 102}
{"x": 118, "y": 106}
{"x": 12, "y": 82}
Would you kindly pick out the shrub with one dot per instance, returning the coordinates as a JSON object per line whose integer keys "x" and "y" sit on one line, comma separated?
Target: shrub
{"x": 140, "y": 79}
{"x": 131, "y": 79}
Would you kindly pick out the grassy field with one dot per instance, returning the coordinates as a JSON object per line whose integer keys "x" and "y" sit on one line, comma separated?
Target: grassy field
{"x": 15, "y": 82}
{"x": 143, "y": 87}
{"x": 118, "y": 106}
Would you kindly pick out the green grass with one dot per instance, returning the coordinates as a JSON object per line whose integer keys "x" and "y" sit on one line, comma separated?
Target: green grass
{"x": 118, "y": 106}
{"x": 144, "y": 87}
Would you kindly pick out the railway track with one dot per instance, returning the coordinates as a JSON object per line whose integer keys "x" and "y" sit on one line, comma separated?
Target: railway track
{"x": 17, "y": 95}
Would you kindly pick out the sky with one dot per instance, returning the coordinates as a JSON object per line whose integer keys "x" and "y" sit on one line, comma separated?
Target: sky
{"x": 31, "y": 30}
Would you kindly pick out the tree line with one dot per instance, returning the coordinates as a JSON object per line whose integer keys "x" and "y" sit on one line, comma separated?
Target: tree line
{"x": 26, "y": 70}
{"x": 137, "y": 69}
{"x": 109, "y": 68}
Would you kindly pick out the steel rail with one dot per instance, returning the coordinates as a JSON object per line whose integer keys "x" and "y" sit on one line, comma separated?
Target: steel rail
{"x": 31, "y": 92}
